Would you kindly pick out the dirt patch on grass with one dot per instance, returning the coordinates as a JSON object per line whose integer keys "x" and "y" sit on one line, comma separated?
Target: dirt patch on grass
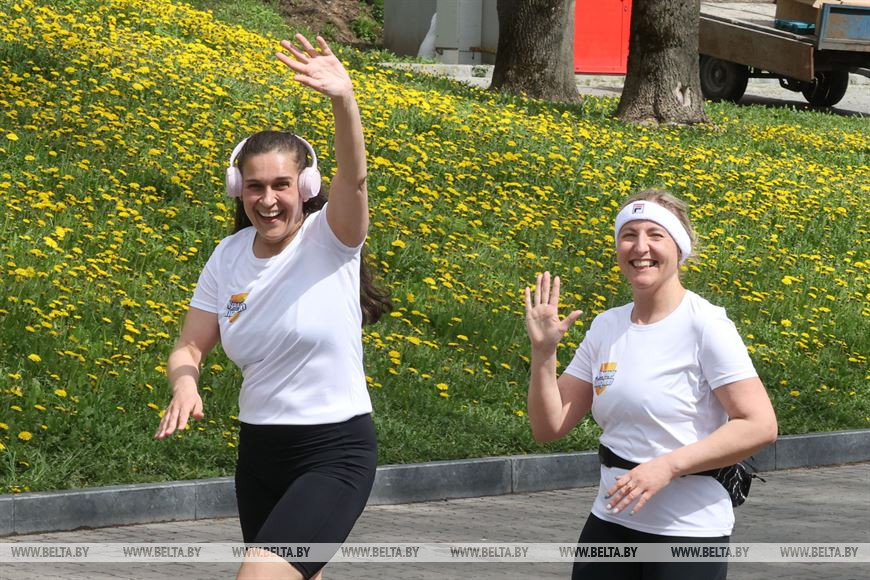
{"x": 354, "y": 22}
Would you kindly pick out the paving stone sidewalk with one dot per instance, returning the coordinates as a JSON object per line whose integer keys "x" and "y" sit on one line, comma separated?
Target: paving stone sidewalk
{"x": 825, "y": 505}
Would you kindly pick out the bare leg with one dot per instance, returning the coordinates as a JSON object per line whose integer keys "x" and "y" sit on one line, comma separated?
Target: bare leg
{"x": 275, "y": 568}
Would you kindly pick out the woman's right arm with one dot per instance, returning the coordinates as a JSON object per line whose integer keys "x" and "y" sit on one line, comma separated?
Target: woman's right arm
{"x": 199, "y": 334}
{"x": 555, "y": 405}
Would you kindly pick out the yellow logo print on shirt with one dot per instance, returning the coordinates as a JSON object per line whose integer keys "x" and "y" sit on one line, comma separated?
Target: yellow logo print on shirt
{"x": 604, "y": 378}
{"x": 236, "y": 306}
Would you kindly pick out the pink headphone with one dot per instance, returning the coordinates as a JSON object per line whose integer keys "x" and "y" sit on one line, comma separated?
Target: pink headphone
{"x": 309, "y": 178}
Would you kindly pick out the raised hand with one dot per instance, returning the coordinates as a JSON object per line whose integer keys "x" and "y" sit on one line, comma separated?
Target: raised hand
{"x": 542, "y": 315}
{"x": 322, "y": 71}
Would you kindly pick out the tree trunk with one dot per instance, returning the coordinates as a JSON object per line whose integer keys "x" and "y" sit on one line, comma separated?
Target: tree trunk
{"x": 536, "y": 49}
{"x": 663, "y": 82}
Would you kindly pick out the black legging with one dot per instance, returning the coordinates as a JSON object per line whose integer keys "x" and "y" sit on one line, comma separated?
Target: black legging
{"x": 304, "y": 484}
{"x": 598, "y": 531}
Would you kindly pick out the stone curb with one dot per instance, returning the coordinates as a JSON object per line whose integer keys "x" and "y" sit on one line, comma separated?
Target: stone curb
{"x": 116, "y": 505}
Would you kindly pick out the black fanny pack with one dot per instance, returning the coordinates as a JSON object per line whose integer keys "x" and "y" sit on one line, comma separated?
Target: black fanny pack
{"x": 736, "y": 478}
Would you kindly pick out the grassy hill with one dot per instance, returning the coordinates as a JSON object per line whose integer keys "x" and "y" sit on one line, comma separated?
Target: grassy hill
{"x": 118, "y": 117}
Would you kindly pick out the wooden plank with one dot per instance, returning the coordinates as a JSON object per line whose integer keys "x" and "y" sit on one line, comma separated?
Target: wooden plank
{"x": 756, "y": 13}
{"x": 797, "y": 10}
{"x": 770, "y": 52}
{"x": 749, "y": 18}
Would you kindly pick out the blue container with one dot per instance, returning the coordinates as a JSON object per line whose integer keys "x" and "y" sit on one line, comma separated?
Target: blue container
{"x": 795, "y": 26}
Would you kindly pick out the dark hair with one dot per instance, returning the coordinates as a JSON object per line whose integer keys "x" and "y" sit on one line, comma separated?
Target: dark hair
{"x": 373, "y": 299}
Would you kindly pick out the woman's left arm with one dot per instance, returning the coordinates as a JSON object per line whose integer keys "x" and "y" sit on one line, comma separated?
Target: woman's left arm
{"x": 752, "y": 426}
{"x": 347, "y": 212}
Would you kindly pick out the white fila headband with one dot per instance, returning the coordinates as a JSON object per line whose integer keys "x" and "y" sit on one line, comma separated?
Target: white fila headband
{"x": 648, "y": 210}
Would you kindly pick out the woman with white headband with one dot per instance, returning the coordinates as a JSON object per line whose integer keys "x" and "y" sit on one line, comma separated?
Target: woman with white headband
{"x": 286, "y": 295}
{"x": 669, "y": 381}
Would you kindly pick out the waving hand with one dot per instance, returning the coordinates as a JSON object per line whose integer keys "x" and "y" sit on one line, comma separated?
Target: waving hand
{"x": 322, "y": 71}
{"x": 542, "y": 315}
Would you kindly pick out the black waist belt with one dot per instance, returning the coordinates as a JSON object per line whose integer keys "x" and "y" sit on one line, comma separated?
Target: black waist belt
{"x": 610, "y": 459}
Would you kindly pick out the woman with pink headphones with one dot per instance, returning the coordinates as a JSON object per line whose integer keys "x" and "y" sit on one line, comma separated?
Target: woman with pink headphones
{"x": 286, "y": 295}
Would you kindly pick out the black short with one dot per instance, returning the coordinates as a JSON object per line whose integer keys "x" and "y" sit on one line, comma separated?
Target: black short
{"x": 598, "y": 531}
{"x": 300, "y": 484}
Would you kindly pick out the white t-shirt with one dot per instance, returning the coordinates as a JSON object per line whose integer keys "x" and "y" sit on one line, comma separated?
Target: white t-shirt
{"x": 653, "y": 393}
{"x": 292, "y": 323}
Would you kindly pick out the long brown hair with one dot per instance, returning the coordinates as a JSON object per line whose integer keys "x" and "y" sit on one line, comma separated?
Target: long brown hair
{"x": 374, "y": 300}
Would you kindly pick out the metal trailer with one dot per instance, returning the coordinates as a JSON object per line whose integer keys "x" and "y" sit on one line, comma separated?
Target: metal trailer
{"x": 738, "y": 41}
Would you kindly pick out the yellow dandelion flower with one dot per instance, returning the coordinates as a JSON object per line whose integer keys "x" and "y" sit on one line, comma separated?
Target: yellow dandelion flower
{"x": 60, "y": 392}
{"x": 35, "y": 358}
{"x": 25, "y": 435}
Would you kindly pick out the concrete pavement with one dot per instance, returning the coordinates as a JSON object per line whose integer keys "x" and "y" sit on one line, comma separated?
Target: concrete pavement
{"x": 766, "y": 92}
{"x": 824, "y": 505}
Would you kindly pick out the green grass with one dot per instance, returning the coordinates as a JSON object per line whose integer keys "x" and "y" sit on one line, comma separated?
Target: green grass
{"x": 112, "y": 150}
{"x": 260, "y": 15}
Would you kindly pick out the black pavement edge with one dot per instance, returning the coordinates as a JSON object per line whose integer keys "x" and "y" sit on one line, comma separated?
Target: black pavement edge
{"x": 28, "y": 513}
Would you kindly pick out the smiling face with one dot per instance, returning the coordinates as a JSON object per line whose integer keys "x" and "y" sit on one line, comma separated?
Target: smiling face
{"x": 270, "y": 196}
{"x": 647, "y": 255}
